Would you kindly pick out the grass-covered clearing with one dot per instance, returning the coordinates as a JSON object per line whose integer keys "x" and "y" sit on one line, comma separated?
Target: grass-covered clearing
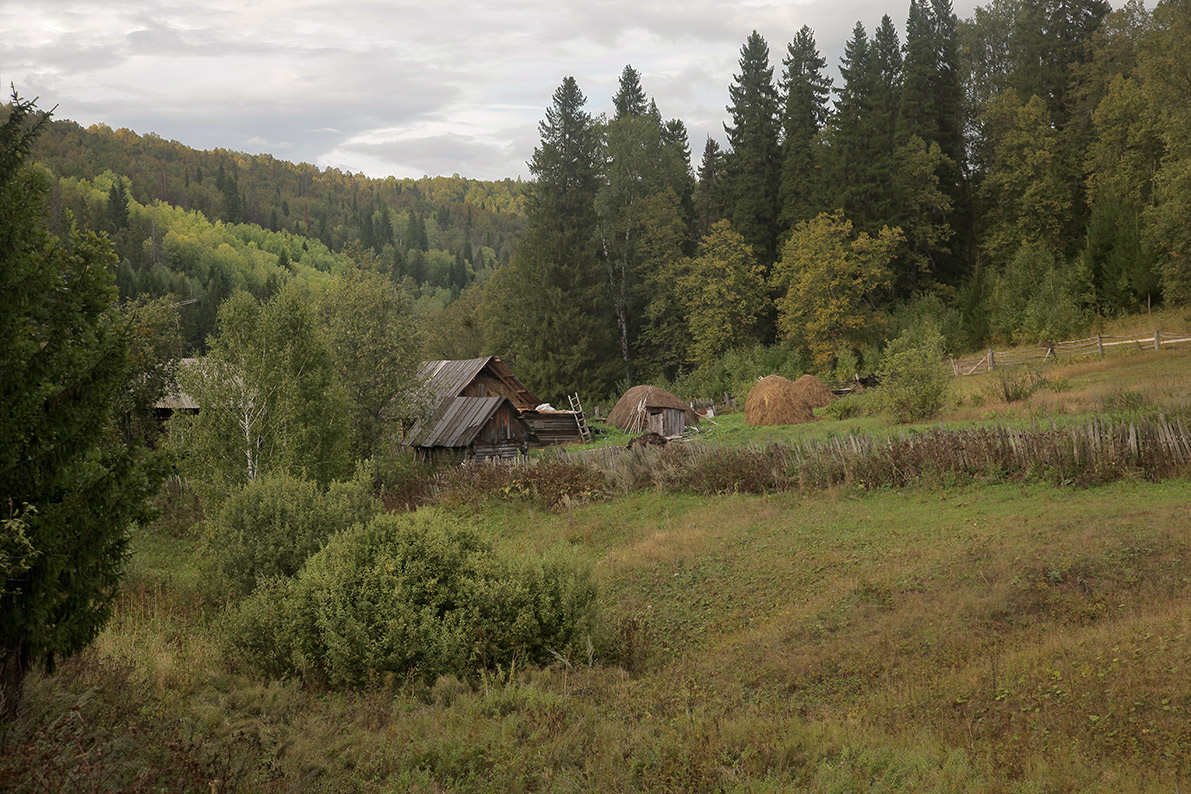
{"x": 985, "y": 633}
{"x": 1005, "y": 638}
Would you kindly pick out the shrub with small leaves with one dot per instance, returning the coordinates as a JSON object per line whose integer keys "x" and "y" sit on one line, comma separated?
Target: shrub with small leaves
{"x": 914, "y": 376}
{"x": 414, "y": 594}
{"x": 271, "y": 525}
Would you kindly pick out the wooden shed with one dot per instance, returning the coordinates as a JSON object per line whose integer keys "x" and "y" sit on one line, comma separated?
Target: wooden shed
{"x": 483, "y": 428}
{"x": 446, "y": 382}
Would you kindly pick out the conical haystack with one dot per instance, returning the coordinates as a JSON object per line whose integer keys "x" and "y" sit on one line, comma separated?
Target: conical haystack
{"x": 630, "y": 411}
{"x": 775, "y": 400}
{"x": 813, "y": 391}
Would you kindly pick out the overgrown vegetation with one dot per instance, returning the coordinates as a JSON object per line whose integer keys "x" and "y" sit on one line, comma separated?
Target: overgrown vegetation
{"x": 268, "y": 528}
{"x": 417, "y": 594}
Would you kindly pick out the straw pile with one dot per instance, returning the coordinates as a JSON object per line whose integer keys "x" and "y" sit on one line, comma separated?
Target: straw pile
{"x": 775, "y": 400}
{"x": 630, "y": 410}
{"x": 813, "y": 392}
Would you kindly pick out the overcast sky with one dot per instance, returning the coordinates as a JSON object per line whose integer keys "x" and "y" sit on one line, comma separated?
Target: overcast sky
{"x": 400, "y": 88}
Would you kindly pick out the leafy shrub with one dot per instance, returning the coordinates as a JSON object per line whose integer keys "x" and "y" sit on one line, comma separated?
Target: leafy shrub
{"x": 1038, "y": 299}
{"x": 915, "y": 378}
{"x": 271, "y": 525}
{"x": 1012, "y": 384}
{"x": 851, "y": 405}
{"x": 417, "y": 594}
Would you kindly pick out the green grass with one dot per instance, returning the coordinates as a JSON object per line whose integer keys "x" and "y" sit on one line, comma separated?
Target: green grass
{"x": 1121, "y": 386}
{"x": 1004, "y": 638}
{"x": 1014, "y": 637}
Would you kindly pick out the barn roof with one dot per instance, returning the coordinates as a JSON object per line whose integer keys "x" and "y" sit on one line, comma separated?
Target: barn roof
{"x": 445, "y": 379}
{"x": 456, "y": 424}
{"x": 179, "y": 400}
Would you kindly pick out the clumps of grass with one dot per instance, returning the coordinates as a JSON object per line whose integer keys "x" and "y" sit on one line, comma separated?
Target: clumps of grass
{"x": 1126, "y": 402}
{"x": 1094, "y": 453}
{"x": 747, "y": 470}
{"x": 548, "y": 484}
{"x": 1014, "y": 384}
{"x": 178, "y": 509}
{"x": 850, "y": 406}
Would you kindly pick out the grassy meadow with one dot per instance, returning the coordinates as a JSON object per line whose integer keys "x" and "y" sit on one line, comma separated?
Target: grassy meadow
{"x": 997, "y": 634}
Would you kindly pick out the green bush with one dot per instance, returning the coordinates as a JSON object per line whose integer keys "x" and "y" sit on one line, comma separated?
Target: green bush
{"x": 1037, "y": 298}
{"x": 414, "y": 594}
{"x": 737, "y": 370}
{"x": 271, "y": 525}
{"x": 860, "y": 403}
{"x": 915, "y": 379}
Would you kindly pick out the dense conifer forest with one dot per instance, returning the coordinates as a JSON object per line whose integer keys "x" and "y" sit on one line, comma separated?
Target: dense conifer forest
{"x": 1008, "y": 177}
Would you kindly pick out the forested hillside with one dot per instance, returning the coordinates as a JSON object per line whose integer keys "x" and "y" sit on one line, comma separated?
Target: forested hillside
{"x": 200, "y": 224}
{"x": 1013, "y": 177}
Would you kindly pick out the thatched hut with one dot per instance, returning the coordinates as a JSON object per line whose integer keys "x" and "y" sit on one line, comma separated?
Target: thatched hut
{"x": 813, "y": 392}
{"x": 648, "y": 408}
{"x": 775, "y": 400}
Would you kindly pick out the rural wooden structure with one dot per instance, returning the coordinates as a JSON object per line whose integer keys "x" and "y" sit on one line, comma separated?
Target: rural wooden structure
{"x": 648, "y": 408}
{"x": 484, "y": 428}
{"x": 176, "y": 402}
{"x": 456, "y": 425}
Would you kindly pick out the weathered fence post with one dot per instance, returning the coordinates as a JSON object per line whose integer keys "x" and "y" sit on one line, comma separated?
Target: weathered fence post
{"x": 1157, "y": 339}
{"x": 1100, "y": 344}
{"x": 991, "y": 359}
{"x": 954, "y": 368}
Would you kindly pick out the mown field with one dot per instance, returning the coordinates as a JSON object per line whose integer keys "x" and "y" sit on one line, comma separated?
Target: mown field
{"x": 988, "y": 634}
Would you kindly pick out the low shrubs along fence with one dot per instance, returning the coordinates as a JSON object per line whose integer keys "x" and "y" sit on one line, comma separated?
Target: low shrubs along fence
{"x": 1075, "y": 348}
{"x": 1098, "y": 452}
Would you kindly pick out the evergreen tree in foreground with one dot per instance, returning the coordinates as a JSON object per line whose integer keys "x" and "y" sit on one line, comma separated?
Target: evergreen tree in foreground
{"x": 70, "y": 488}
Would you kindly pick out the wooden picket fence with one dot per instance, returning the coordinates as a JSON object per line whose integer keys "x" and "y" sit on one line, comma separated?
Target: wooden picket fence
{"x": 1097, "y": 345}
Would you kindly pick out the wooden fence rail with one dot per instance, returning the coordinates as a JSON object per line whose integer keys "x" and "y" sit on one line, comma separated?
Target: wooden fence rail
{"x": 1096, "y": 345}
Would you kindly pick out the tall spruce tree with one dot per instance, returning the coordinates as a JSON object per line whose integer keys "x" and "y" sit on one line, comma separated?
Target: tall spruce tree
{"x": 855, "y": 142}
{"x": 932, "y": 109}
{"x": 1049, "y": 38}
{"x": 70, "y": 488}
{"x": 709, "y": 192}
{"x": 804, "y": 88}
{"x": 642, "y": 158}
{"x": 551, "y": 312}
{"x": 630, "y": 97}
{"x": 751, "y": 166}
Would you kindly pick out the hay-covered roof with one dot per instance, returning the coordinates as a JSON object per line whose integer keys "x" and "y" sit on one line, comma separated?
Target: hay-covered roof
{"x": 630, "y": 410}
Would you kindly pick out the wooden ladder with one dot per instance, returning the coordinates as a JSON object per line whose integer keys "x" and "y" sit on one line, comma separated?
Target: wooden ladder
{"x": 580, "y": 419}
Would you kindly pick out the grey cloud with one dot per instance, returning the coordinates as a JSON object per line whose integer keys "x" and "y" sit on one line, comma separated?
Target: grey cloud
{"x": 444, "y": 154}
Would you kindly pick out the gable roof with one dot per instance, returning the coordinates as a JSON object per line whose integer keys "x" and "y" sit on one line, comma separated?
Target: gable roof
{"x": 457, "y": 423}
{"x": 445, "y": 379}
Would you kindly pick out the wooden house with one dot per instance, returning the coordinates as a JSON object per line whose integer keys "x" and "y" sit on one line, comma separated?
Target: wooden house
{"x": 477, "y": 408}
{"x": 483, "y": 428}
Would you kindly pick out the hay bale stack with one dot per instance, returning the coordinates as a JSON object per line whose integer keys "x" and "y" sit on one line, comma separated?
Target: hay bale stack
{"x": 813, "y": 391}
{"x": 630, "y": 410}
{"x": 775, "y": 400}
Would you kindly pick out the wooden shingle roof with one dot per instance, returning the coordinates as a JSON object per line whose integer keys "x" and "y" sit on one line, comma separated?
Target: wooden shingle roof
{"x": 457, "y": 424}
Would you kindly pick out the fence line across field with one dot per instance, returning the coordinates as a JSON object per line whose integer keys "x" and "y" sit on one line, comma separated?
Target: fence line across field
{"x": 1073, "y": 348}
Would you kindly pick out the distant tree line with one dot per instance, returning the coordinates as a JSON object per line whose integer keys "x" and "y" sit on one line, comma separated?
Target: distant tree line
{"x": 1009, "y": 176}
